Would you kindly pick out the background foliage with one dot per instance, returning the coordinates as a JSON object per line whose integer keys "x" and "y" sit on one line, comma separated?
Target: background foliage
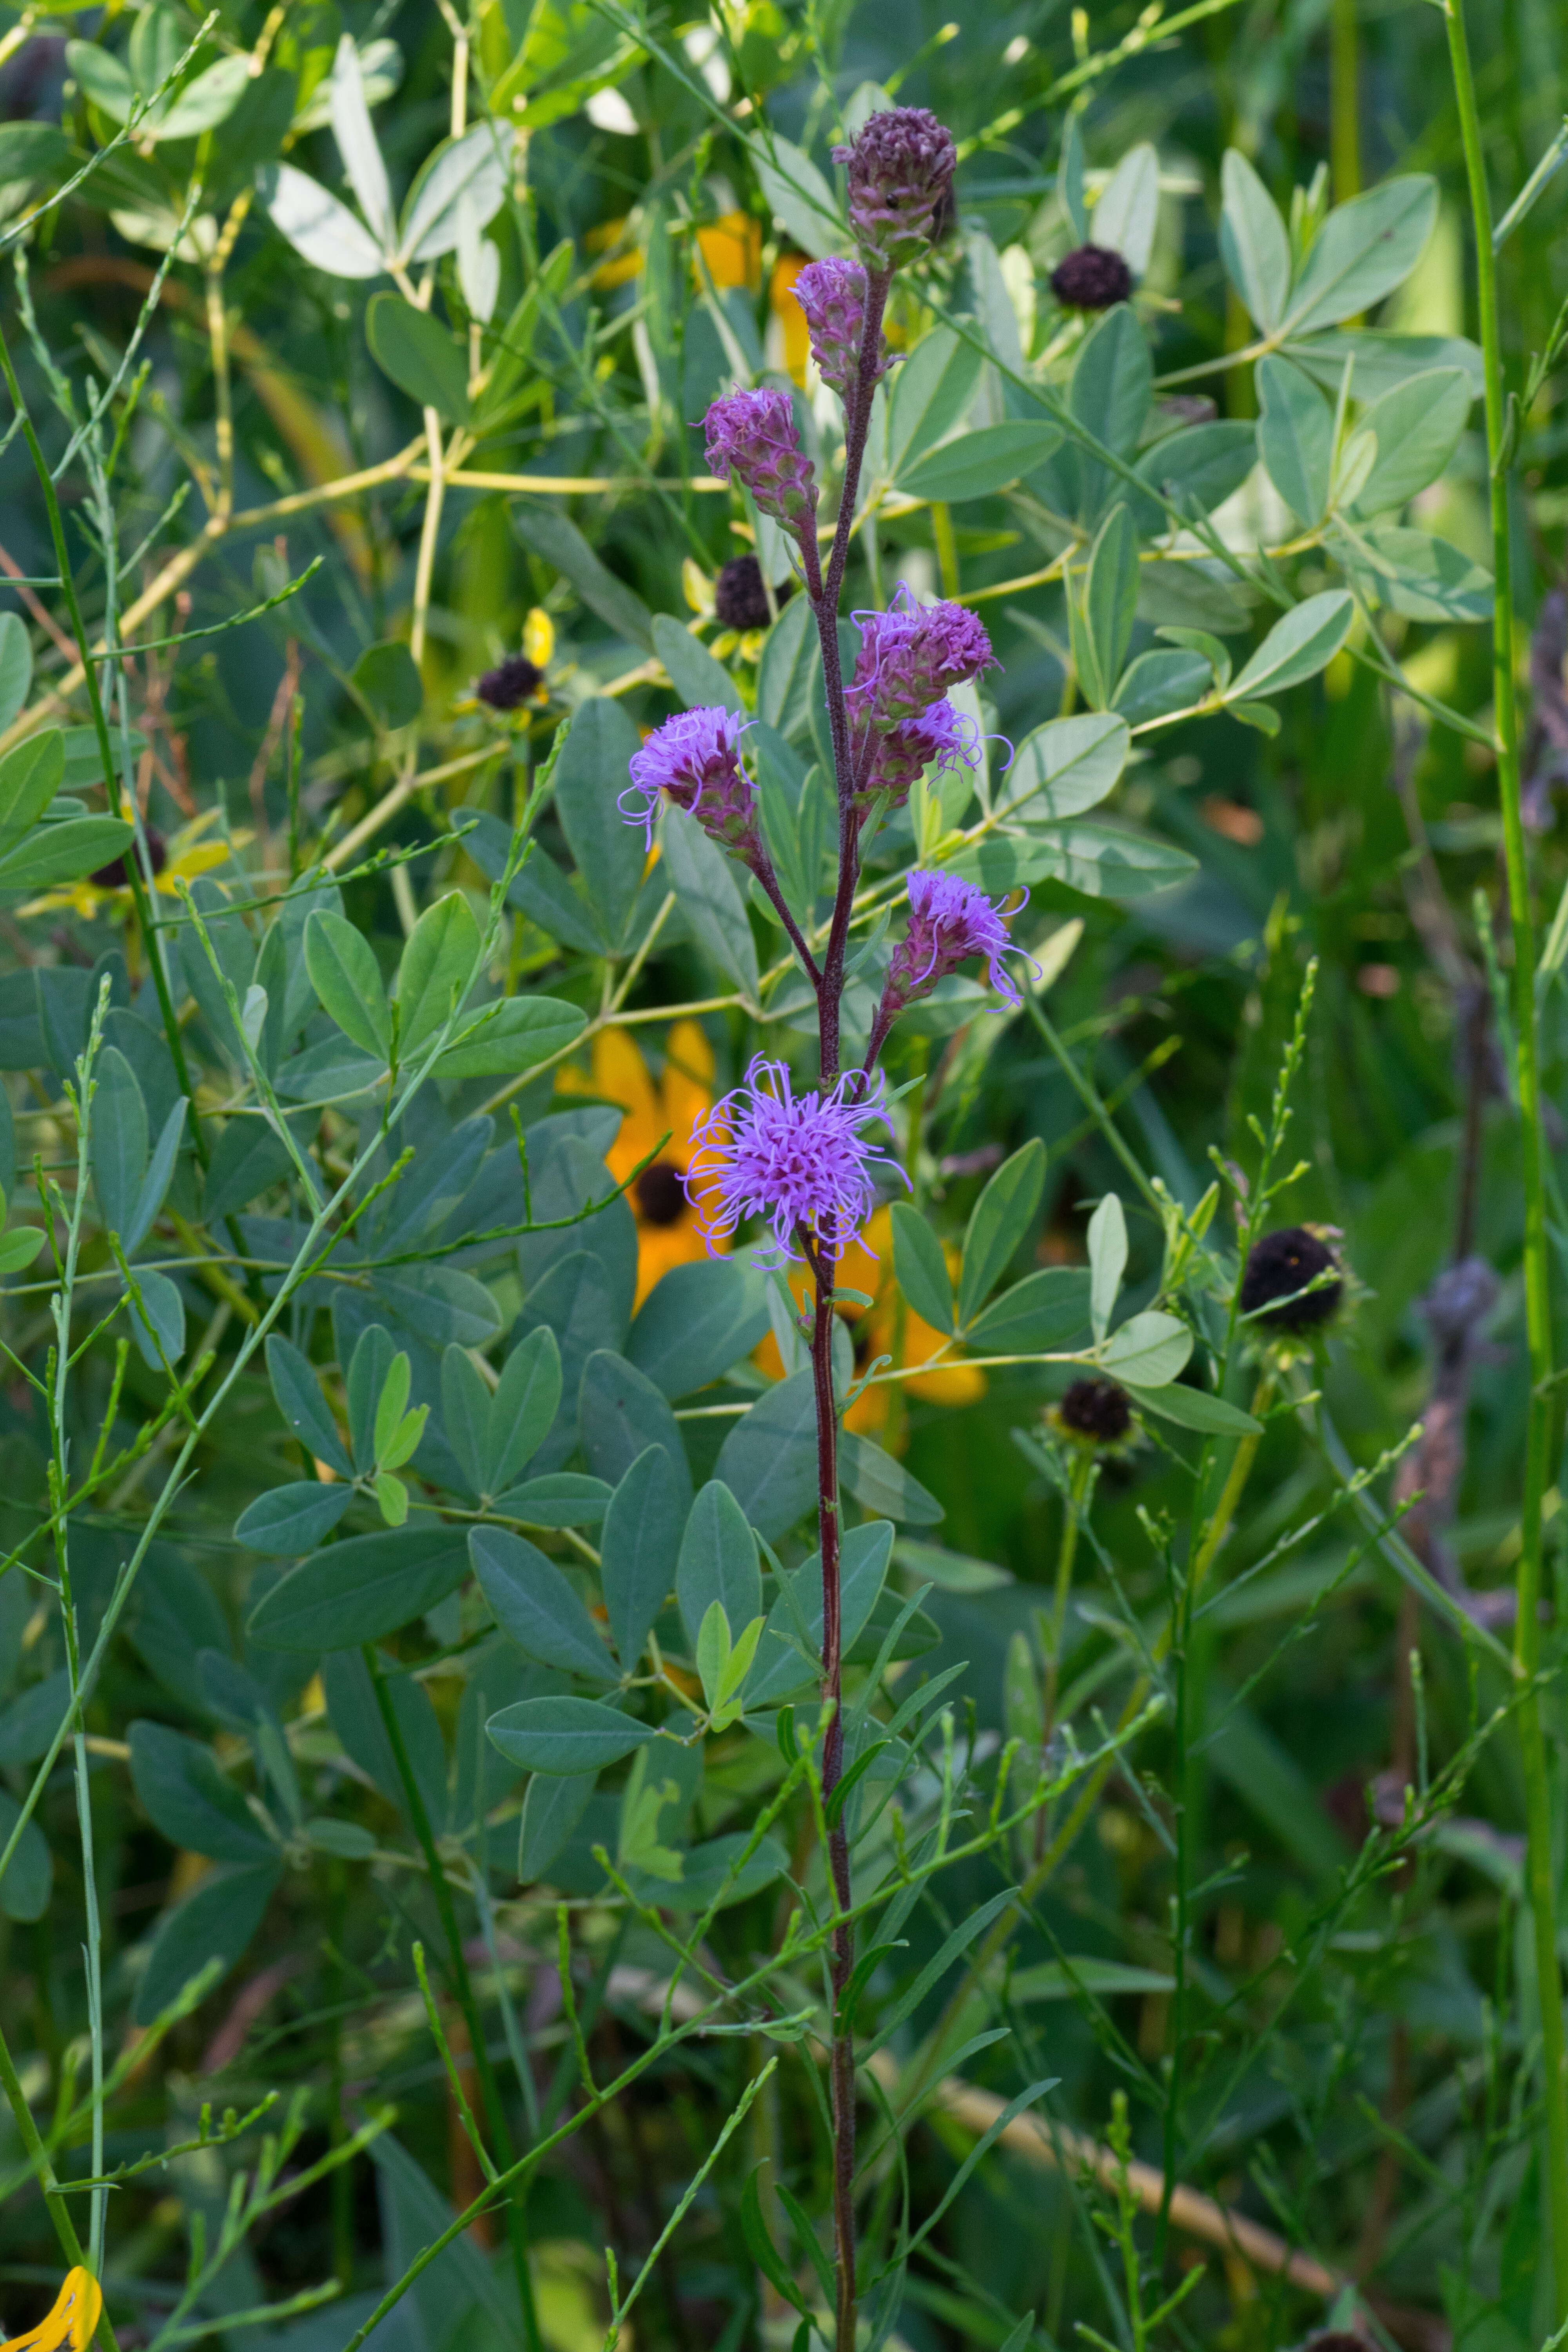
{"x": 397, "y": 356}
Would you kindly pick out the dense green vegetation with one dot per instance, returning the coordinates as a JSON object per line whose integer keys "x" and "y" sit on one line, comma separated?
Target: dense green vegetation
{"x": 469, "y": 1874}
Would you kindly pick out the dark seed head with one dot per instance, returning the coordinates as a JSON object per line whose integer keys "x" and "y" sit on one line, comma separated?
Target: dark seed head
{"x": 740, "y": 598}
{"x": 1091, "y": 277}
{"x": 509, "y": 683}
{"x": 1097, "y": 1410}
{"x": 661, "y": 1194}
{"x": 114, "y": 876}
{"x": 1280, "y": 1264}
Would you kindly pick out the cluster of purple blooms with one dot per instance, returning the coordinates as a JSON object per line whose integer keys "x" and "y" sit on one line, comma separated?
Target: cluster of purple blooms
{"x": 809, "y": 1163}
{"x": 806, "y": 1161}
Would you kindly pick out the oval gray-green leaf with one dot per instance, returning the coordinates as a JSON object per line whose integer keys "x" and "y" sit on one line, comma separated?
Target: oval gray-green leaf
{"x": 361, "y": 1590}
{"x": 565, "y": 1735}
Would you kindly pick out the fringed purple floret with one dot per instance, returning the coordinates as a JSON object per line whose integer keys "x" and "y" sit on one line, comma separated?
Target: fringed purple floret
{"x": 900, "y": 186}
{"x": 803, "y": 1161}
{"x": 942, "y": 738}
{"x": 912, "y": 656}
{"x": 695, "y": 757}
{"x": 950, "y": 921}
{"x": 832, "y": 294}
{"x": 752, "y": 438}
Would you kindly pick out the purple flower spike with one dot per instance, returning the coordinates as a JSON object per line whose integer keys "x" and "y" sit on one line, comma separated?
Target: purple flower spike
{"x": 803, "y": 1161}
{"x": 950, "y": 921}
{"x": 912, "y": 656}
{"x": 695, "y": 757}
{"x": 832, "y": 293}
{"x": 900, "y": 186}
{"x": 752, "y": 438}
{"x": 942, "y": 738}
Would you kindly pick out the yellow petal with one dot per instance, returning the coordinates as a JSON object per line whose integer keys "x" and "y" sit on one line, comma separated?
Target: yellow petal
{"x": 71, "y": 2321}
{"x": 621, "y": 1075}
{"x": 688, "y": 1088}
{"x": 539, "y": 638}
{"x": 699, "y": 588}
{"x": 789, "y": 314}
{"x": 732, "y": 249}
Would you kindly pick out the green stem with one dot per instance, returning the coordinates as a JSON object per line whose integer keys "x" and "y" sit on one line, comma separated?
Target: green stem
{"x": 1537, "y": 1276}
{"x": 441, "y": 1888}
{"x": 151, "y": 945}
{"x": 337, "y": 2122}
{"x": 1344, "y": 103}
{"x": 65, "y": 2229}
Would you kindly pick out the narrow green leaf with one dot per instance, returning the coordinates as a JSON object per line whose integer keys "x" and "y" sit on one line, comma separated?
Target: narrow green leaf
{"x": 920, "y": 1268}
{"x": 1002, "y": 1217}
{"x": 347, "y": 977}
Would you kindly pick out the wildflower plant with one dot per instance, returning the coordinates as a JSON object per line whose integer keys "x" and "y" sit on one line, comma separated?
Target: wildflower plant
{"x": 512, "y": 1187}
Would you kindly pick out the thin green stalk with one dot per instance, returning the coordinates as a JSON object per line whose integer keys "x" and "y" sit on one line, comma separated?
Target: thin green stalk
{"x": 1344, "y": 103}
{"x": 1537, "y": 1273}
{"x": 38, "y": 2155}
{"x": 337, "y": 2122}
{"x": 463, "y": 1984}
{"x": 149, "y": 940}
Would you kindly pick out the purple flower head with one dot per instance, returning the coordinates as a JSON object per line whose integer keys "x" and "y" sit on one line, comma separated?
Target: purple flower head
{"x": 950, "y": 921}
{"x": 900, "y": 186}
{"x": 803, "y": 1161}
{"x": 912, "y": 656}
{"x": 832, "y": 293}
{"x": 695, "y": 757}
{"x": 752, "y": 438}
{"x": 940, "y": 738}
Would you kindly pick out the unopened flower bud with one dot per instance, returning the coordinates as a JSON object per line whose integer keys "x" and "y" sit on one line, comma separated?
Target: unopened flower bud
{"x": 695, "y": 759}
{"x": 940, "y": 738}
{"x": 752, "y": 438}
{"x": 832, "y": 294}
{"x": 912, "y": 656}
{"x": 900, "y": 186}
{"x": 949, "y": 920}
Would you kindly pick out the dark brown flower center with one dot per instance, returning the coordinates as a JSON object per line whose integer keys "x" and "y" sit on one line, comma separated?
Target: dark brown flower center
{"x": 1282, "y": 1265}
{"x": 1096, "y": 1409}
{"x": 661, "y": 1195}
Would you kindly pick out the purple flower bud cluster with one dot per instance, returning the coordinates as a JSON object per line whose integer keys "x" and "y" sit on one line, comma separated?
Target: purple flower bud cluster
{"x": 940, "y": 738}
{"x": 752, "y": 439}
{"x": 900, "y": 186}
{"x": 951, "y": 920}
{"x": 695, "y": 758}
{"x": 910, "y": 656}
{"x": 832, "y": 294}
{"x": 803, "y": 1161}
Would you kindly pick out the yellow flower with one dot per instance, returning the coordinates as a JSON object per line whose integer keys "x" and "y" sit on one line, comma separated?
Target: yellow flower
{"x": 666, "y": 1220}
{"x": 70, "y": 2323}
{"x": 868, "y": 1266}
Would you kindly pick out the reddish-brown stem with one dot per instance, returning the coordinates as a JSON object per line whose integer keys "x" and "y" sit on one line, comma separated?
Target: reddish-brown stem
{"x": 762, "y": 867}
{"x": 824, "y": 593}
